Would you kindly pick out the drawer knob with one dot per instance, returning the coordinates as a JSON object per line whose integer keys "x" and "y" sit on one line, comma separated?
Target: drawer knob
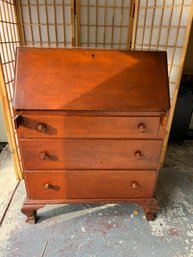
{"x": 47, "y": 186}
{"x": 139, "y": 155}
{"x": 42, "y": 127}
{"x": 134, "y": 185}
{"x": 44, "y": 156}
{"x": 142, "y": 127}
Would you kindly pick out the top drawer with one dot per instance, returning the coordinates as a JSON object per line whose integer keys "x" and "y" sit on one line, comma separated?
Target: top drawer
{"x": 89, "y": 127}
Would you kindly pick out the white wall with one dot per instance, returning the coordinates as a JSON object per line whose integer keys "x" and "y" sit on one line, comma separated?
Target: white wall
{"x": 3, "y": 136}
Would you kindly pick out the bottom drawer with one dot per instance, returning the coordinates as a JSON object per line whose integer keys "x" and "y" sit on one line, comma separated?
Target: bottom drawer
{"x": 86, "y": 184}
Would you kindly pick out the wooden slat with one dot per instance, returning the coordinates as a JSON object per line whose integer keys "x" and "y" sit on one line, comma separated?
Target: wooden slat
{"x": 30, "y": 18}
{"x": 159, "y": 33}
{"x": 88, "y": 23}
{"x": 19, "y": 18}
{"x": 72, "y": 21}
{"x": 47, "y": 26}
{"x": 78, "y": 22}
{"x": 143, "y": 33}
{"x": 112, "y": 28}
{"x": 63, "y": 21}
{"x": 39, "y": 30}
{"x": 152, "y": 24}
{"x": 130, "y": 23}
{"x": 175, "y": 44}
{"x": 120, "y": 24}
{"x": 55, "y": 24}
{"x": 9, "y": 127}
{"x": 136, "y": 13}
{"x": 105, "y": 18}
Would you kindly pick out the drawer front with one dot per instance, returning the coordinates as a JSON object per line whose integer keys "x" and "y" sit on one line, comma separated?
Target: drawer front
{"x": 89, "y": 127}
{"x": 47, "y": 185}
{"x": 90, "y": 154}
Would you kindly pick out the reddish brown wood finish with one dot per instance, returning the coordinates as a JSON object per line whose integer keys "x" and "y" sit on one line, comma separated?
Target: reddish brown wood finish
{"x": 92, "y": 184}
{"x": 30, "y": 210}
{"x": 150, "y": 205}
{"x": 92, "y": 125}
{"x": 71, "y": 79}
{"x": 90, "y": 154}
{"x": 89, "y": 127}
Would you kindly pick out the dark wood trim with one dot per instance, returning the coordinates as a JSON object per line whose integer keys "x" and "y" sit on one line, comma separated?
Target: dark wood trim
{"x": 150, "y": 205}
{"x": 86, "y": 113}
{"x": 30, "y": 211}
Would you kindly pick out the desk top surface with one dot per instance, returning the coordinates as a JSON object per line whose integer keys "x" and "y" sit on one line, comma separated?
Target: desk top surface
{"x": 90, "y": 79}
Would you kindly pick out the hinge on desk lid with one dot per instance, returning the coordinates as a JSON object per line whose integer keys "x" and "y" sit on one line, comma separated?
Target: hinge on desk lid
{"x": 18, "y": 120}
{"x": 163, "y": 120}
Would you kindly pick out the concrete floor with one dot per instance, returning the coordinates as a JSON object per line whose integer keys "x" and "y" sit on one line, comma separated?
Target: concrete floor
{"x": 106, "y": 230}
{"x": 8, "y": 183}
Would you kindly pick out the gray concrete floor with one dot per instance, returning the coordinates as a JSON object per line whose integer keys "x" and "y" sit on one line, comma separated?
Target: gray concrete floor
{"x": 107, "y": 230}
{"x": 8, "y": 183}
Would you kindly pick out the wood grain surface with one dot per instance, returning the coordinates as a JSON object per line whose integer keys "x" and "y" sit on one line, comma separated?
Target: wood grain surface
{"x": 90, "y": 154}
{"x": 89, "y": 184}
{"x": 80, "y": 79}
{"x": 89, "y": 127}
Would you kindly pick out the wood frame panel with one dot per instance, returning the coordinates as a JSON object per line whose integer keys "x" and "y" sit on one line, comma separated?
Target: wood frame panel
{"x": 181, "y": 64}
{"x": 174, "y": 23}
{"x": 9, "y": 40}
{"x": 104, "y": 24}
{"x": 45, "y": 23}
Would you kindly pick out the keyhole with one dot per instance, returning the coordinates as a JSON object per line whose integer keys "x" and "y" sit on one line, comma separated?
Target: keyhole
{"x": 93, "y": 55}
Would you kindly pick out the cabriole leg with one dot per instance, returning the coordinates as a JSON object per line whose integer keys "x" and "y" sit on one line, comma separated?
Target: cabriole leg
{"x": 151, "y": 209}
{"x": 30, "y": 211}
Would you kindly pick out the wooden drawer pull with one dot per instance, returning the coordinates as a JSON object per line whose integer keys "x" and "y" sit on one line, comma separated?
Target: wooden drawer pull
{"x": 42, "y": 127}
{"x": 47, "y": 186}
{"x": 142, "y": 127}
{"x": 44, "y": 156}
{"x": 134, "y": 185}
{"x": 139, "y": 155}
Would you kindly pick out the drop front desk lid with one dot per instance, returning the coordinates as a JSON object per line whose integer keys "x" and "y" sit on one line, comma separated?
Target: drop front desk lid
{"x": 82, "y": 79}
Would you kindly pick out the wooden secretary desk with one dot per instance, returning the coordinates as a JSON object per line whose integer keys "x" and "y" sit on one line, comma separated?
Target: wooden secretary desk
{"x": 90, "y": 125}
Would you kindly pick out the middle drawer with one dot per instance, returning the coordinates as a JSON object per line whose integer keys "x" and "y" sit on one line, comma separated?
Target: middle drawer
{"x": 90, "y": 154}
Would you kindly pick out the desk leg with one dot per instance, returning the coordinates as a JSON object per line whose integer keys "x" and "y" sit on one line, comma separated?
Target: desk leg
{"x": 30, "y": 211}
{"x": 150, "y": 209}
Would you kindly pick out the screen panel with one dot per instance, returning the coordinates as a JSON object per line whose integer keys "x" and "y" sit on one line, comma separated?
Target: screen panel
{"x": 104, "y": 24}
{"x": 161, "y": 25}
{"x": 47, "y": 23}
{"x": 9, "y": 41}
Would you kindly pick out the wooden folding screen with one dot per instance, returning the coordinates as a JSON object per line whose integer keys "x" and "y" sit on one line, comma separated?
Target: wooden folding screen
{"x": 165, "y": 25}
{"x": 104, "y": 24}
{"x": 47, "y": 23}
{"x": 162, "y": 25}
{"x": 9, "y": 40}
